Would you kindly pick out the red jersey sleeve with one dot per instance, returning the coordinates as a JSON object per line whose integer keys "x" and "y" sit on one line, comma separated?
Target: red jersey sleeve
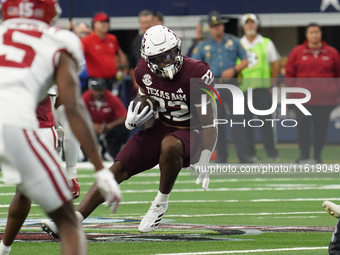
{"x": 206, "y": 80}
{"x": 44, "y": 114}
{"x": 138, "y": 72}
{"x": 87, "y": 95}
{"x": 336, "y": 64}
{"x": 291, "y": 64}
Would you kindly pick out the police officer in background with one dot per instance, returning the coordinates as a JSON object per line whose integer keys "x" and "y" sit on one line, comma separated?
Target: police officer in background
{"x": 221, "y": 52}
{"x": 263, "y": 65}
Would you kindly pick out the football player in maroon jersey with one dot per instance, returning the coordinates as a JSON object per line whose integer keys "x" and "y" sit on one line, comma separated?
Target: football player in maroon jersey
{"x": 163, "y": 74}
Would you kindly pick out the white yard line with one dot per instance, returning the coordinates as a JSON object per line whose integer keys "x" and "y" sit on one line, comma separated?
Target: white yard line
{"x": 247, "y": 251}
{"x": 82, "y": 174}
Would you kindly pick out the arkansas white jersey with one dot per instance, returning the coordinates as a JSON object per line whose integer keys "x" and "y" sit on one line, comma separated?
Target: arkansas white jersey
{"x": 29, "y": 54}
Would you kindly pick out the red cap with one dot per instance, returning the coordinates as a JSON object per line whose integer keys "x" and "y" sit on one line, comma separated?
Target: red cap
{"x": 101, "y": 16}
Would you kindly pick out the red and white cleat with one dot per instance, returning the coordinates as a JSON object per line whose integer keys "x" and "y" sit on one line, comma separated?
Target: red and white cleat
{"x": 75, "y": 188}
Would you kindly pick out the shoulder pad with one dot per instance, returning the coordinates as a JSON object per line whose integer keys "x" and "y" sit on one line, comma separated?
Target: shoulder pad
{"x": 68, "y": 41}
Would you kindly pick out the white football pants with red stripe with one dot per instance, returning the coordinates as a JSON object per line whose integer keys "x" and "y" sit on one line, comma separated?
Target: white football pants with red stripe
{"x": 29, "y": 159}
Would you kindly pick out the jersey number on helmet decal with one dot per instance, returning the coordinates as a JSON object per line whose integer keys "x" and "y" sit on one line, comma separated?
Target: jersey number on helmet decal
{"x": 11, "y": 59}
{"x": 26, "y": 9}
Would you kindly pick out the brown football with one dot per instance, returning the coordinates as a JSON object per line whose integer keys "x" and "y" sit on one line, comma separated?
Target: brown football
{"x": 145, "y": 101}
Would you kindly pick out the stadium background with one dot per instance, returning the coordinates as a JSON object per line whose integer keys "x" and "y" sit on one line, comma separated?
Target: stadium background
{"x": 276, "y": 215}
{"x": 283, "y": 21}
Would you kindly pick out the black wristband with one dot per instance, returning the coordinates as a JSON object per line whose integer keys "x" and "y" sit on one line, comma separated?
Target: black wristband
{"x": 235, "y": 71}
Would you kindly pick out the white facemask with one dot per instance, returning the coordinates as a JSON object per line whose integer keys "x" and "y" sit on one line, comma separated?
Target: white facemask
{"x": 169, "y": 71}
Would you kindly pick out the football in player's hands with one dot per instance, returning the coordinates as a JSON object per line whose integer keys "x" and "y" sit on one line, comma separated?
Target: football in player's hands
{"x": 145, "y": 101}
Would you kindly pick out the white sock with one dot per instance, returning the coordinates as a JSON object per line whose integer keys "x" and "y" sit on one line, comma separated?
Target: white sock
{"x": 70, "y": 142}
{"x": 161, "y": 198}
{"x": 4, "y": 250}
{"x": 80, "y": 217}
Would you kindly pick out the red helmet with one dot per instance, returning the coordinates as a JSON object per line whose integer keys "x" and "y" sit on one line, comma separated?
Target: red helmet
{"x": 44, "y": 10}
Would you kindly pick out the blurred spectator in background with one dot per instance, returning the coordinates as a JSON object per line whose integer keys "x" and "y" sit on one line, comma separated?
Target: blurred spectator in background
{"x": 283, "y": 63}
{"x": 282, "y": 73}
{"x": 281, "y": 78}
{"x": 145, "y": 22}
{"x": 108, "y": 115}
{"x": 221, "y": 51}
{"x": 314, "y": 59}
{"x": 103, "y": 55}
{"x": 202, "y": 34}
{"x": 263, "y": 65}
{"x": 81, "y": 30}
{"x": 158, "y": 18}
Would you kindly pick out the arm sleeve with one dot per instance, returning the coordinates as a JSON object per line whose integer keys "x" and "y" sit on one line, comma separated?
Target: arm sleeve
{"x": 203, "y": 76}
{"x": 137, "y": 75}
{"x": 290, "y": 66}
{"x": 241, "y": 52}
{"x": 68, "y": 42}
{"x": 272, "y": 53}
{"x": 337, "y": 64}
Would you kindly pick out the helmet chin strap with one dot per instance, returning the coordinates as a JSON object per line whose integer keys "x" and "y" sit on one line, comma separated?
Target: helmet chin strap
{"x": 169, "y": 71}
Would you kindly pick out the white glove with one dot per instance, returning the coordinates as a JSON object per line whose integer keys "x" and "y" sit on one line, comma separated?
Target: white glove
{"x": 135, "y": 119}
{"x": 206, "y": 178}
{"x": 204, "y": 171}
{"x": 109, "y": 188}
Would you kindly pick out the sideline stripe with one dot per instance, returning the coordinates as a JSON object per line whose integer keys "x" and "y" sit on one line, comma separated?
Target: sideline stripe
{"x": 241, "y": 214}
{"x": 211, "y": 181}
{"x": 211, "y": 200}
{"x": 136, "y": 191}
{"x": 324, "y": 187}
{"x": 247, "y": 251}
{"x": 81, "y": 176}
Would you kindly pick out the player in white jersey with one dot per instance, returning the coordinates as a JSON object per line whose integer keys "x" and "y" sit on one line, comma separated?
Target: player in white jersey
{"x": 67, "y": 142}
{"x": 33, "y": 55}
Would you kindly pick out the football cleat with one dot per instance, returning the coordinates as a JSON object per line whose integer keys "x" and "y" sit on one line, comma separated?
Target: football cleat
{"x": 332, "y": 209}
{"x": 50, "y": 228}
{"x": 75, "y": 188}
{"x": 153, "y": 217}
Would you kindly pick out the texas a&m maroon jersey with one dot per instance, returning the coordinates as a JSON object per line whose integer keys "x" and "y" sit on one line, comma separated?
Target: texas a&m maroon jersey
{"x": 174, "y": 101}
